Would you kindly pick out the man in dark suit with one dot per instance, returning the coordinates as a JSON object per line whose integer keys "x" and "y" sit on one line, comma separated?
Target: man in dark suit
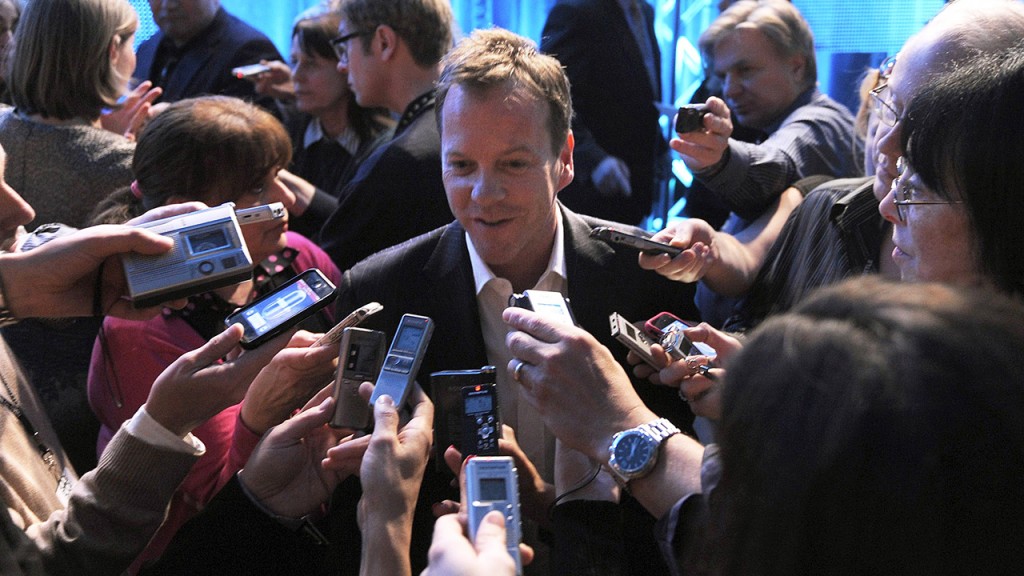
{"x": 197, "y": 46}
{"x": 390, "y": 50}
{"x": 506, "y": 152}
{"x": 613, "y": 62}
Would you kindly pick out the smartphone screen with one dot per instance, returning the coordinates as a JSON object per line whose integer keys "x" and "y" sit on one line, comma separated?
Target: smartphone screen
{"x": 293, "y": 302}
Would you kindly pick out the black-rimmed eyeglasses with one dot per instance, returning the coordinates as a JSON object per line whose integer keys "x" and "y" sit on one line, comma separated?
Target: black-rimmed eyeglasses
{"x": 340, "y": 45}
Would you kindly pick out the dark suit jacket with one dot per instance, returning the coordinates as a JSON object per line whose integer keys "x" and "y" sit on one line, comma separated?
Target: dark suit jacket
{"x": 395, "y": 194}
{"x": 206, "y": 61}
{"x": 431, "y": 275}
{"x": 612, "y": 99}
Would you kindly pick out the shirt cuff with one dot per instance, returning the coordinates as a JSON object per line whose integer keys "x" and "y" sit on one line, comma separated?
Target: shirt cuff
{"x": 145, "y": 428}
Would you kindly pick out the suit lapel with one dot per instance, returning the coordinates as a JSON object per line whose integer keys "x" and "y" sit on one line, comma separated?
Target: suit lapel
{"x": 448, "y": 285}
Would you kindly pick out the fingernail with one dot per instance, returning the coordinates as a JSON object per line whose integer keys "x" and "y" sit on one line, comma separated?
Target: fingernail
{"x": 385, "y": 401}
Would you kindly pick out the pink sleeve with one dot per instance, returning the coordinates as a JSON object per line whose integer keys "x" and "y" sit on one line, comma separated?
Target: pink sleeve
{"x": 242, "y": 445}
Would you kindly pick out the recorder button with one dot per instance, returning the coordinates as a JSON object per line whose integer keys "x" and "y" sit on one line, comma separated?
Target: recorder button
{"x": 229, "y": 262}
{"x": 206, "y": 267}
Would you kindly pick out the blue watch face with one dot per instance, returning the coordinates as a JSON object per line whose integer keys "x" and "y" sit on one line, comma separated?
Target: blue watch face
{"x": 633, "y": 451}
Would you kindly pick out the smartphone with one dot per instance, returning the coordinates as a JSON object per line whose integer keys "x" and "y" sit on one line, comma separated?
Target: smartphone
{"x": 250, "y": 71}
{"x": 291, "y": 303}
{"x": 403, "y": 359}
{"x": 333, "y": 336}
{"x": 547, "y": 302}
{"x": 492, "y": 484}
{"x": 481, "y": 424}
{"x": 667, "y": 330}
{"x": 449, "y": 407}
{"x": 642, "y": 243}
{"x": 360, "y": 359}
{"x": 633, "y": 338}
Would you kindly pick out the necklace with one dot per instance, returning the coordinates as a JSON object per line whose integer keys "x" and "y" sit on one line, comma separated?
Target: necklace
{"x": 14, "y": 406}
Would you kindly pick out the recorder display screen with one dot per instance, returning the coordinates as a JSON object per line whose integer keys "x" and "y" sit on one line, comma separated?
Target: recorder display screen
{"x": 208, "y": 240}
{"x": 408, "y": 338}
{"x": 479, "y": 403}
{"x": 362, "y": 359}
{"x": 492, "y": 489}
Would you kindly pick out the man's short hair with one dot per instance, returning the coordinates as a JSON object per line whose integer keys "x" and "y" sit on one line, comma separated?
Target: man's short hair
{"x": 497, "y": 57}
{"x": 60, "y": 65}
{"x": 778, "y": 20}
{"x": 425, "y": 25}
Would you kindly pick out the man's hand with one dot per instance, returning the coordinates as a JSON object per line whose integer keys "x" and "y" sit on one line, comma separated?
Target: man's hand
{"x": 452, "y": 554}
{"x": 697, "y": 237}
{"x": 611, "y": 177}
{"x": 291, "y": 378}
{"x": 58, "y": 279}
{"x": 133, "y": 113}
{"x": 285, "y": 473}
{"x": 581, "y": 392}
{"x": 702, "y": 149}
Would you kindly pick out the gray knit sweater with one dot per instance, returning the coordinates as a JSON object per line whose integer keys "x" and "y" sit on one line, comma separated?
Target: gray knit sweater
{"x": 63, "y": 171}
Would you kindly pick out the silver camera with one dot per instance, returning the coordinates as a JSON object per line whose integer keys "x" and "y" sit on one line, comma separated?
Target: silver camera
{"x": 209, "y": 252}
{"x": 492, "y": 484}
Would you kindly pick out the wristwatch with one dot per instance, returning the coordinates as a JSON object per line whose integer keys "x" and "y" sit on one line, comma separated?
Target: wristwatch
{"x": 634, "y": 452}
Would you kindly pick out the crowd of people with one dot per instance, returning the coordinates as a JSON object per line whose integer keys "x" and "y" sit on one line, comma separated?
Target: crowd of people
{"x": 857, "y": 405}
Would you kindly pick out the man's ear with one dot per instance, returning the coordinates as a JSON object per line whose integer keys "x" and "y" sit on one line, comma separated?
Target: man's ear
{"x": 387, "y": 39}
{"x": 797, "y": 66}
{"x": 568, "y": 171}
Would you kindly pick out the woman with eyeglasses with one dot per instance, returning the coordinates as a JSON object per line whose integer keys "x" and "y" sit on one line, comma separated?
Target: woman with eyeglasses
{"x": 213, "y": 149}
{"x": 957, "y": 206}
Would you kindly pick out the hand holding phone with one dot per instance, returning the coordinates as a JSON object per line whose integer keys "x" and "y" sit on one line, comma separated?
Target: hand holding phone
{"x": 291, "y": 303}
{"x": 404, "y": 358}
{"x": 631, "y": 240}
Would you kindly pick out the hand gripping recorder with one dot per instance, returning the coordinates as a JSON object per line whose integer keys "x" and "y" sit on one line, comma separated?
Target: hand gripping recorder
{"x": 209, "y": 252}
{"x": 493, "y": 484}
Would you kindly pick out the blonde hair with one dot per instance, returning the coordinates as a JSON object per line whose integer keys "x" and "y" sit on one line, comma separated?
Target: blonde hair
{"x": 60, "y": 64}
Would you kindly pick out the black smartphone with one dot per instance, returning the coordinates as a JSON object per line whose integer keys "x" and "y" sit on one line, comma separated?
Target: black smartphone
{"x": 291, "y": 303}
{"x": 360, "y": 359}
{"x": 404, "y": 358}
{"x": 642, "y": 243}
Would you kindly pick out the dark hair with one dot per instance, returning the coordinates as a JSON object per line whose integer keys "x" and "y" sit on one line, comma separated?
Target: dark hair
{"x": 424, "y": 25}
{"x": 964, "y": 134}
{"x": 313, "y": 36}
{"x": 212, "y": 148}
{"x": 497, "y": 57}
{"x": 878, "y": 428}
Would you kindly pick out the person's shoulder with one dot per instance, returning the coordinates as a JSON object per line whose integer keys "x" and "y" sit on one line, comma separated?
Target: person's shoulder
{"x": 836, "y": 190}
{"x": 399, "y": 260}
{"x": 242, "y": 32}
